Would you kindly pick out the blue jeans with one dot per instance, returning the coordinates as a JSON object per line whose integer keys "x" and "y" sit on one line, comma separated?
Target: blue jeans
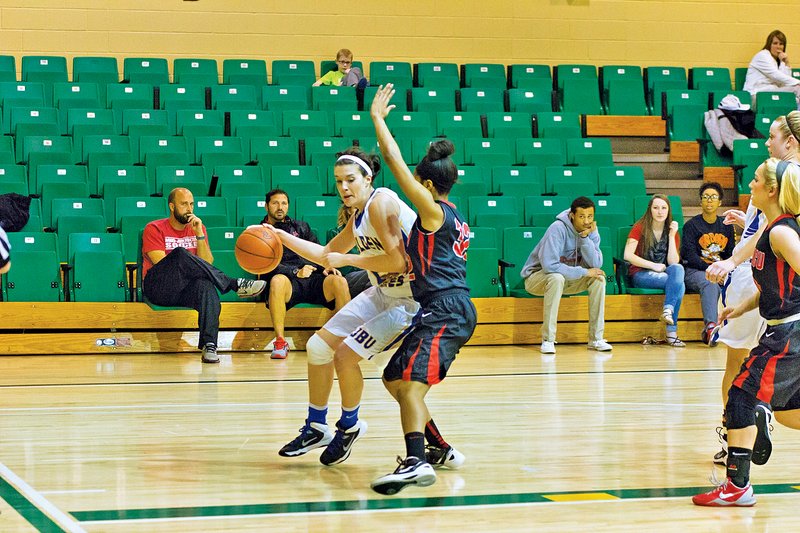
{"x": 670, "y": 281}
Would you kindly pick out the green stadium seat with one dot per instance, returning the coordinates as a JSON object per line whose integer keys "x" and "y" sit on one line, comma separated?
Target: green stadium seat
{"x": 471, "y": 182}
{"x": 291, "y": 72}
{"x": 511, "y": 125}
{"x": 774, "y": 104}
{"x": 253, "y": 123}
{"x": 748, "y": 154}
{"x": 482, "y": 100}
{"x": 318, "y": 211}
{"x": 323, "y": 150}
{"x": 524, "y": 76}
{"x": 212, "y": 210}
{"x": 74, "y": 95}
{"x": 36, "y": 275}
{"x": 562, "y": 125}
{"x": 301, "y": 124}
{"x": 396, "y": 72}
{"x": 83, "y": 122}
{"x": 137, "y": 96}
{"x": 235, "y": 97}
{"x": 541, "y": 152}
{"x": 147, "y": 70}
{"x": 148, "y": 206}
{"x": 541, "y": 211}
{"x": 484, "y": 75}
{"x": 433, "y": 100}
{"x": 518, "y": 243}
{"x": 223, "y": 237}
{"x": 763, "y": 123}
{"x": 213, "y": 151}
{"x": 250, "y": 210}
{"x": 570, "y": 181}
{"x": 13, "y": 178}
{"x": 332, "y": 99}
{"x": 659, "y": 78}
{"x": 284, "y": 98}
{"x": 488, "y": 152}
{"x": 353, "y": 124}
{"x": 400, "y": 99}
{"x": 8, "y": 68}
{"x": 268, "y": 151}
{"x": 195, "y": 71}
{"x": 580, "y": 96}
{"x": 459, "y": 125}
{"x": 628, "y": 181}
{"x": 483, "y": 276}
{"x": 46, "y": 70}
{"x": 589, "y": 152}
{"x": 536, "y": 98}
{"x": 437, "y": 75}
{"x": 710, "y": 78}
{"x": 188, "y": 176}
{"x": 97, "y": 271}
{"x": 99, "y": 70}
{"x": 411, "y": 124}
{"x": 244, "y": 72}
{"x": 174, "y": 96}
{"x": 625, "y": 97}
{"x": 229, "y": 174}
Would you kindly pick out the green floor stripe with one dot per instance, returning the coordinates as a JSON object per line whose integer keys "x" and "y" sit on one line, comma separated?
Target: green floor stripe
{"x": 395, "y": 503}
{"x": 26, "y": 509}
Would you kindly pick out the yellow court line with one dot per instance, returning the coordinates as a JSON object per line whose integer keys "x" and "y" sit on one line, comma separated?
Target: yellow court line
{"x": 580, "y": 497}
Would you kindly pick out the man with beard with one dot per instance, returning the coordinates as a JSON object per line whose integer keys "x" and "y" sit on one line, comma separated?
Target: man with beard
{"x": 177, "y": 269}
{"x": 296, "y": 280}
{"x": 567, "y": 261}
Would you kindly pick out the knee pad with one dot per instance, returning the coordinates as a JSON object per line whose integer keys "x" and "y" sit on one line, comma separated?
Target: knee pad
{"x": 319, "y": 353}
{"x": 741, "y": 409}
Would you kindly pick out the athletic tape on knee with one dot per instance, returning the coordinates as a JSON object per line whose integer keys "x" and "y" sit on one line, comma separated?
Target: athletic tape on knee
{"x": 740, "y": 410}
{"x": 319, "y": 353}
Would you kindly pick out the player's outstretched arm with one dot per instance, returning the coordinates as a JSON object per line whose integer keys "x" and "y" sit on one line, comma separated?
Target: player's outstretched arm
{"x": 429, "y": 211}
{"x": 311, "y": 251}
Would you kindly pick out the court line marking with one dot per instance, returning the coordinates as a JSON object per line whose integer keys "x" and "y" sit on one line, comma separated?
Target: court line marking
{"x": 41, "y": 512}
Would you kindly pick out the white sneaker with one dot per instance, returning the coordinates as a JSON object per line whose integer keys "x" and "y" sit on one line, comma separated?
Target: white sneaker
{"x": 548, "y": 347}
{"x": 600, "y": 345}
{"x": 410, "y": 471}
{"x": 446, "y": 457}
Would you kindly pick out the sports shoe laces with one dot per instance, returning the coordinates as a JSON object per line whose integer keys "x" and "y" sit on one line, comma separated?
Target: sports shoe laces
{"x": 305, "y": 430}
{"x": 245, "y": 284}
{"x": 722, "y": 434}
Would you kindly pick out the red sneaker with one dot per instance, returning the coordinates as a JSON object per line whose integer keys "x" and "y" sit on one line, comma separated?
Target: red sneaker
{"x": 727, "y": 495}
{"x": 280, "y": 349}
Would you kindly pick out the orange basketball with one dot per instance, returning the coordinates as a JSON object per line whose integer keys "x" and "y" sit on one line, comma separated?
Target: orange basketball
{"x": 258, "y": 250}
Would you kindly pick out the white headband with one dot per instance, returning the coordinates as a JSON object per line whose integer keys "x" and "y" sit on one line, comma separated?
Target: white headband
{"x": 358, "y": 161}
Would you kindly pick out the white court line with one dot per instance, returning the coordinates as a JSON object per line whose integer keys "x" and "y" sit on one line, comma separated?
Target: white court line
{"x": 55, "y": 514}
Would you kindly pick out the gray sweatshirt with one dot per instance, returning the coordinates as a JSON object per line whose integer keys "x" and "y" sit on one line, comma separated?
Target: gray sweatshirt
{"x": 563, "y": 251}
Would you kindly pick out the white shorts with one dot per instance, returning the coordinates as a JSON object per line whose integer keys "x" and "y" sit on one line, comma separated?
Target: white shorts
{"x": 745, "y": 331}
{"x": 372, "y": 322}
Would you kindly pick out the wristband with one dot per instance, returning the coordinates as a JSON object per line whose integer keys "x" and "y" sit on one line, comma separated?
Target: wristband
{"x": 201, "y": 238}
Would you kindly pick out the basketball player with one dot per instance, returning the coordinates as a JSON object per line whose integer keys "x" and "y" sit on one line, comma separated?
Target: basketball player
{"x": 735, "y": 273}
{"x": 437, "y": 249}
{"x": 771, "y": 373}
{"x": 372, "y": 322}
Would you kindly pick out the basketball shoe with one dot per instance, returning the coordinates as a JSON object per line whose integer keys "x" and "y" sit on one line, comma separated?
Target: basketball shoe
{"x": 312, "y": 435}
{"x": 209, "y": 353}
{"x": 444, "y": 457}
{"x": 410, "y": 471}
{"x": 280, "y": 349}
{"x": 721, "y": 457}
{"x": 247, "y": 288}
{"x": 342, "y": 444}
{"x": 727, "y": 495}
{"x": 762, "y": 447}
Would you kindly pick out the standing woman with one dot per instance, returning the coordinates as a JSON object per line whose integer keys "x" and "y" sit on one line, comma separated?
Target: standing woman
{"x": 437, "y": 249}
{"x": 771, "y": 373}
{"x": 370, "y": 323}
{"x": 652, "y": 251}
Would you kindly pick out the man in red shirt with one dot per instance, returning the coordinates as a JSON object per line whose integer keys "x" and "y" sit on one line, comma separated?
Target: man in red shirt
{"x": 177, "y": 269}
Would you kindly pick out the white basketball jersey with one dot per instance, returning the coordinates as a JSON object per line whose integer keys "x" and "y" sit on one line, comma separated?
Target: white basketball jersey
{"x": 753, "y": 219}
{"x": 392, "y": 284}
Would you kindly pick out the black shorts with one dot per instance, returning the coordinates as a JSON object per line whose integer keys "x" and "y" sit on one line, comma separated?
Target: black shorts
{"x": 307, "y": 291}
{"x": 439, "y": 331}
{"x": 771, "y": 372}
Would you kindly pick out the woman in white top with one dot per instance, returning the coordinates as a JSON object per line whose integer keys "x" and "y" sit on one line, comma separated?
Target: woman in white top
{"x": 769, "y": 69}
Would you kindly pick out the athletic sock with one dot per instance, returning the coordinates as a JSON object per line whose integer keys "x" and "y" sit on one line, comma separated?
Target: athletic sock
{"x": 739, "y": 466}
{"x": 317, "y": 414}
{"x": 433, "y": 436}
{"x": 415, "y": 445}
{"x": 349, "y": 417}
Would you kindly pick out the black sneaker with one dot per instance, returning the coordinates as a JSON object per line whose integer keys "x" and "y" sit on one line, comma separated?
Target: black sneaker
{"x": 762, "y": 448}
{"x": 410, "y": 471}
{"x": 721, "y": 457}
{"x": 446, "y": 457}
{"x": 209, "y": 353}
{"x": 342, "y": 444}
{"x": 312, "y": 435}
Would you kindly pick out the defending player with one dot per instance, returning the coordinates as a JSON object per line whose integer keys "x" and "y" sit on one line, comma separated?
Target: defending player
{"x": 437, "y": 249}
{"x": 369, "y": 324}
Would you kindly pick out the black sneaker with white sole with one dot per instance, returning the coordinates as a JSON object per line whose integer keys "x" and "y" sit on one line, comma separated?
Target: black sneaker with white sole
{"x": 762, "y": 448}
{"x": 312, "y": 435}
{"x": 721, "y": 457}
{"x": 410, "y": 471}
{"x": 444, "y": 457}
{"x": 342, "y": 444}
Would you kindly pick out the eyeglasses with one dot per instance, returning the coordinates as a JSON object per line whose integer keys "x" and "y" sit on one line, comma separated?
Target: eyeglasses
{"x": 707, "y": 197}
{"x": 344, "y": 61}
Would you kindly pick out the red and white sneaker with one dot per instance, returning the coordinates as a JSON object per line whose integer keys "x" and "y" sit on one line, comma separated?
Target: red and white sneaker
{"x": 727, "y": 495}
{"x": 280, "y": 349}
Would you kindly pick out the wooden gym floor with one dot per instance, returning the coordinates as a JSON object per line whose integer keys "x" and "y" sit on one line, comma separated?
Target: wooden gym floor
{"x": 579, "y": 441}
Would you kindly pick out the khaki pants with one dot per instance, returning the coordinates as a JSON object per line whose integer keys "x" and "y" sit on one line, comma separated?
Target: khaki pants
{"x": 553, "y": 286}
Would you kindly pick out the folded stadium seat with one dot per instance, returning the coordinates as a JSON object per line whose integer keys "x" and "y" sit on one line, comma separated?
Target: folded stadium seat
{"x": 748, "y": 154}
{"x": 323, "y": 150}
{"x": 472, "y": 181}
{"x": 488, "y": 152}
{"x": 483, "y": 276}
{"x": 353, "y": 124}
{"x": 76, "y": 215}
{"x": 54, "y": 173}
{"x": 73, "y": 95}
{"x": 83, "y": 122}
{"x": 290, "y": 72}
{"x": 245, "y": 72}
{"x": 46, "y": 70}
{"x": 518, "y": 243}
{"x": 482, "y": 100}
{"x": 109, "y": 144}
{"x": 562, "y": 73}
{"x": 153, "y": 149}
{"x": 625, "y": 97}
{"x": 658, "y": 79}
{"x": 253, "y": 123}
{"x": 318, "y": 212}
{"x": 332, "y": 99}
{"x": 433, "y": 100}
{"x": 109, "y": 176}
{"x": 524, "y": 76}
{"x": 774, "y": 104}
{"x": 683, "y": 111}
{"x": 656, "y": 94}
{"x": 580, "y": 96}
{"x": 739, "y": 77}
{"x": 301, "y": 124}
{"x": 535, "y": 98}
{"x": 497, "y": 212}
{"x": 628, "y": 73}
{"x": 399, "y": 100}
{"x": 36, "y": 276}
{"x": 411, "y": 124}
{"x": 212, "y": 210}
{"x": 541, "y": 152}
{"x": 286, "y": 174}
{"x": 34, "y": 121}
{"x": 177, "y": 96}
{"x": 396, "y": 72}
{"x": 8, "y": 68}
{"x": 97, "y": 272}
{"x": 541, "y": 211}
{"x": 763, "y": 123}
{"x": 562, "y": 125}
{"x": 437, "y": 75}
{"x": 223, "y": 237}
{"x": 129, "y": 96}
{"x": 250, "y": 210}
{"x": 625, "y": 181}
{"x": 570, "y": 181}
{"x": 19, "y": 94}
{"x": 194, "y": 124}
{"x": 710, "y": 78}
{"x": 7, "y": 154}
{"x": 268, "y": 151}
{"x": 13, "y": 178}
{"x": 594, "y": 152}
{"x": 517, "y": 182}
{"x": 41, "y": 150}
{"x": 194, "y": 71}
{"x": 460, "y": 125}
{"x": 509, "y": 125}
{"x": 143, "y": 206}
{"x": 614, "y": 211}
{"x": 153, "y": 71}
{"x": 233, "y": 97}
{"x": 279, "y": 99}
{"x": 51, "y": 190}
{"x": 99, "y": 70}
{"x": 236, "y": 189}
{"x": 229, "y": 174}
{"x": 484, "y": 75}
{"x": 190, "y": 177}
{"x": 137, "y": 123}
{"x": 483, "y": 237}
{"x": 370, "y": 145}
{"x": 213, "y": 151}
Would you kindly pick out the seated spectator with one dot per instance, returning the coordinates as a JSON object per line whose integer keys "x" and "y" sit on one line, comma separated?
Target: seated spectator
{"x": 177, "y": 269}
{"x": 296, "y": 280}
{"x": 706, "y": 239}
{"x": 5, "y": 252}
{"x": 652, "y": 251}
{"x": 769, "y": 69}
{"x": 567, "y": 261}
{"x": 345, "y": 75}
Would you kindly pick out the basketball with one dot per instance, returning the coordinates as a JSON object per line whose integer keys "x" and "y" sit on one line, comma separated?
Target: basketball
{"x": 258, "y": 250}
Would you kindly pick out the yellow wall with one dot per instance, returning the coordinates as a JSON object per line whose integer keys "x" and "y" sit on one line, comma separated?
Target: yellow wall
{"x": 598, "y": 32}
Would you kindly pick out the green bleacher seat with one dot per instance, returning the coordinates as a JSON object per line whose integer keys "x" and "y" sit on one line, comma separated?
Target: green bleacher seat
{"x": 148, "y": 70}
{"x": 774, "y": 104}
{"x": 482, "y": 100}
{"x": 509, "y": 125}
{"x": 541, "y": 153}
{"x": 195, "y": 71}
{"x": 36, "y": 274}
{"x": 589, "y": 152}
{"x": 291, "y": 72}
{"x": 562, "y": 125}
{"x": 98, "y": 268}
{"x": 397, "y": 72}
{"x": 231, "y": 97}
{"x": 518, "y": 243}
{"x": 488, "y": 152}
{"x": 570, "y": 181}
{"x": 484, "y": 75}
{"x": 541, "y": 211}
{"x": 253, "y": 123}
{"x": 483, "y": 276}
{"x": 437, "y": 75}
{"x": 523, "y": 76}
{"x": 244, "y": 72}
{"x": 433, "y": 100}
{"x": 710, "y": 78}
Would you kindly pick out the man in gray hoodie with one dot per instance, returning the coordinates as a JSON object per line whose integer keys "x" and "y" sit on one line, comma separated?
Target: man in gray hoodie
{"x": 567, "y": 261}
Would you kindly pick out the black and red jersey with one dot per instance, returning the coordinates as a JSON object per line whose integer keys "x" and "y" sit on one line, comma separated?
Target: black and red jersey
{"x": 439, "y": 259}
{"x": 778, "y": 283}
